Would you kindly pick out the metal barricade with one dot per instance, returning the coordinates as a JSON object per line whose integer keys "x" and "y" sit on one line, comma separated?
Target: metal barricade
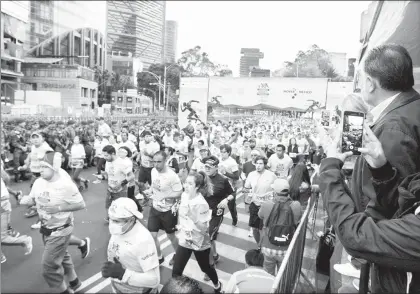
{"x": 288, "y": 275}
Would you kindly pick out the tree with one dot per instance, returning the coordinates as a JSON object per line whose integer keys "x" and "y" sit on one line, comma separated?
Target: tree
{"x": 313, "y": 63}
{"x": 102, "y": 77}
{"x": 147, "y": 81}
{"x": 121, "y": 82}
{"x": 195, "y": 63}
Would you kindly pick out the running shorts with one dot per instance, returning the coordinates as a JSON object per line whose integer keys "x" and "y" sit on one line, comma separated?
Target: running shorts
{"x": 159, "y": 220}
{"x": 254, "y": 220}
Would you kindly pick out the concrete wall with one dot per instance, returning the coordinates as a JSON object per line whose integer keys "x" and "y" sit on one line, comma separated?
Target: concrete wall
{"x": 70, "y": 89}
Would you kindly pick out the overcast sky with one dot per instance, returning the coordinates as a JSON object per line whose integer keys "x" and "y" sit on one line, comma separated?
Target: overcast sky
{"x": 279, "y": 29}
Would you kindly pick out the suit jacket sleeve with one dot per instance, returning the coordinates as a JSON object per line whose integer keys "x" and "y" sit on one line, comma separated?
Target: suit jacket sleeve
{"x": 392, "y": 243}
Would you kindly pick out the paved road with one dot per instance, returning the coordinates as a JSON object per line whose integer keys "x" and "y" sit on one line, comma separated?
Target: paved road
{"x": 22, "y": 274}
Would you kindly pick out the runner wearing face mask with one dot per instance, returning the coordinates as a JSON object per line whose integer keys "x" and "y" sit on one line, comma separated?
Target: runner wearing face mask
{"x": 133, "y": 264}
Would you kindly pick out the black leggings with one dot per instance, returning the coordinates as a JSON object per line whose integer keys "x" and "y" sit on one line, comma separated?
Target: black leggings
{"x": 203, "y": 259}
{"x": 100, "y": 165}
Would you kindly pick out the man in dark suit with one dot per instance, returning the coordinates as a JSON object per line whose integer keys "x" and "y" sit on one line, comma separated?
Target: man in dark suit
{"x": 387, "y": 85}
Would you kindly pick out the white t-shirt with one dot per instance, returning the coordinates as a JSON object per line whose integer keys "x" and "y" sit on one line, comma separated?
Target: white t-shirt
{"x": 150, "y": 148}
{"x": 63, "y": 191}
{"x": 136, "y": 251}
{"x": 260, "y": 184}
{"x": 230, "y": 166}
{"x": 104, "y": 130}
{"x": 129, "y": 144}
{"x": 280, "y": 167}
{"x": 164, "y": 184}
{"x": 192, "y": 211}
{"x": 99, "y": 145}
{"x": 198, "y": 165}
{"x": 301, "y": 144}
{"x": 117, "y": 172}
{"x": 36, "y": 155}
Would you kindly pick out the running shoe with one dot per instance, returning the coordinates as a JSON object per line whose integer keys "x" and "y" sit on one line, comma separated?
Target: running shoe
{"x": 216, "y": 259}
{"x": 31, "y": 212}
{"x": 75, "y": 284}
{"x": 28, "y": 246}
{"x": 3, "y": 258}
{"x": 96, "y": 182}
{"x": 85, "y": 249}
{"x": 86, "y": 184}
{"x": 219, "y": 289}
{"x": 161, "y": 260}
{"x": 12, "y": 232}
{"x": 171, "y": 262}
{"x": 17, "y": 196}
{"x": 36, "y": 226}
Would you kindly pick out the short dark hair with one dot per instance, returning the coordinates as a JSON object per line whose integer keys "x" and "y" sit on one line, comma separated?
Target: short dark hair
{"x": 254, "y": 257}
{"x": 261, "y": 158}
{"x": 281, "y": 146}
{"x": 170, "y": 149}
{"x": 182, "y": 284}
{"x": 109, "y": 149}
{"x": 162, "y": 153}
{"x": 201, "y": 141}
{"x": 392, "y": 66}
{"x": 227, "y": 148}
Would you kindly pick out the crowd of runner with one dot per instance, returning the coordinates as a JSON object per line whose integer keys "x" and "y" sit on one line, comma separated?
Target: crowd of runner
{"x": 191, "y": 177}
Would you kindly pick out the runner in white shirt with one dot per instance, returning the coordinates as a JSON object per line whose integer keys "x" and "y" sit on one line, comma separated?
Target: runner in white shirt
{"x": 7, "y": 238}
{"x": 56, "y": 197}
{"x": 133, "y": 264}
{"x": 280, "y": 163}
{"x": 147, "y": 149}
{"x": 166, "y": 190}
{"x": 103, "y": 129}
{"x": 258, "y": 186}
{"x": 230, "y": 169}
{"x": 127, "y": 143}
{"x": 119, "y": 173}
{"x": 197, "y": 164}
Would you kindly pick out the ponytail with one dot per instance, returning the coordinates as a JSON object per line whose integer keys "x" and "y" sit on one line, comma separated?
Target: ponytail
{"x": 203, "y": 183}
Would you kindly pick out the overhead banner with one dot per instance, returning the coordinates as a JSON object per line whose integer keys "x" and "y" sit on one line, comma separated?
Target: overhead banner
{"x": 193, "y": 96}
{"x": 277, "y": 92}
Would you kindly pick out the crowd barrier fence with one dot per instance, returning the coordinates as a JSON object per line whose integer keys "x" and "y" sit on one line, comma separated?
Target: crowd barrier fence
{"x": 290, "y": 270}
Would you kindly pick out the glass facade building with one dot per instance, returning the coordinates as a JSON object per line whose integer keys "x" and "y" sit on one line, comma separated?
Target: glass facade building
{"x": 171, "y": 39}
{"x": 52, "y": 18}
{"x": 136, "y": 28}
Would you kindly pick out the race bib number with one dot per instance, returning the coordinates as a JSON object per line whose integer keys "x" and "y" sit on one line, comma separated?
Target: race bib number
{"x": 188, "y": 235}
{"x": 162, "y": 202}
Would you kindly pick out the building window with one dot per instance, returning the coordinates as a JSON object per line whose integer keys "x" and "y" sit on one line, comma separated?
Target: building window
{"x": 120, "y": 99}
{"x": 92, "y": 93}
{"x": 129, "y": 99}
{"x": 84, "y": 92}
{"x": 113, "y": 99}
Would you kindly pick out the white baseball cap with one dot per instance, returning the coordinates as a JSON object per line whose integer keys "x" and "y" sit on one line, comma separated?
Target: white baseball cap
{"x": 124, "y": 208}
{"x": 280, "y": 185}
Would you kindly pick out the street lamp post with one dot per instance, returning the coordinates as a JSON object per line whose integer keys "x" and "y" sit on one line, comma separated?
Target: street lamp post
{"x": 165, "y": 100}
{"x": 158, "y": 78}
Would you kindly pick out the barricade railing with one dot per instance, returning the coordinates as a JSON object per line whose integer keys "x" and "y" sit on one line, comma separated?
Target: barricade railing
{"x": 290, "y": 270}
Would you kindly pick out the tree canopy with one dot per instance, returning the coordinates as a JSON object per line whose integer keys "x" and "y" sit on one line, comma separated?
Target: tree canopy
{"x": 195, "y": 63}
{"x": 312, "y": 63}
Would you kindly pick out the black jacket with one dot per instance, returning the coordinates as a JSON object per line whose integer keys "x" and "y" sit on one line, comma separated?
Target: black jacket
{"x": 398, "y": 129}
{"x": 392, "y": 245}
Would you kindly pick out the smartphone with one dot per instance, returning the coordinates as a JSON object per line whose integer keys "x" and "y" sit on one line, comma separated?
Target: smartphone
{"x": 351, "y": 139}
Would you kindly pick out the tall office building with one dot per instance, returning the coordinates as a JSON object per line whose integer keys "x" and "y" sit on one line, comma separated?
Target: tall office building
{"x": 171, "y": 39}
{"x": 137, "y": 28}
{"x": 51, "y": 18}
{"x": 250, "y": 58}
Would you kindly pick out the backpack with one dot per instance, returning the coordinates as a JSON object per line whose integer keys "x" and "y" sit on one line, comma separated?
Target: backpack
{"x": 280, "y": 224}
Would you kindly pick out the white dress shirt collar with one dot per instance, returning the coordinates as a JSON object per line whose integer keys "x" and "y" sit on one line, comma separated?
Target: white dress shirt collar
{"x": 379, "y": 109}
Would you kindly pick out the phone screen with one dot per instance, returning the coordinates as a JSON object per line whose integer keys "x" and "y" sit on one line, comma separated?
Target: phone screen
{"x": 352, "y": 131}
